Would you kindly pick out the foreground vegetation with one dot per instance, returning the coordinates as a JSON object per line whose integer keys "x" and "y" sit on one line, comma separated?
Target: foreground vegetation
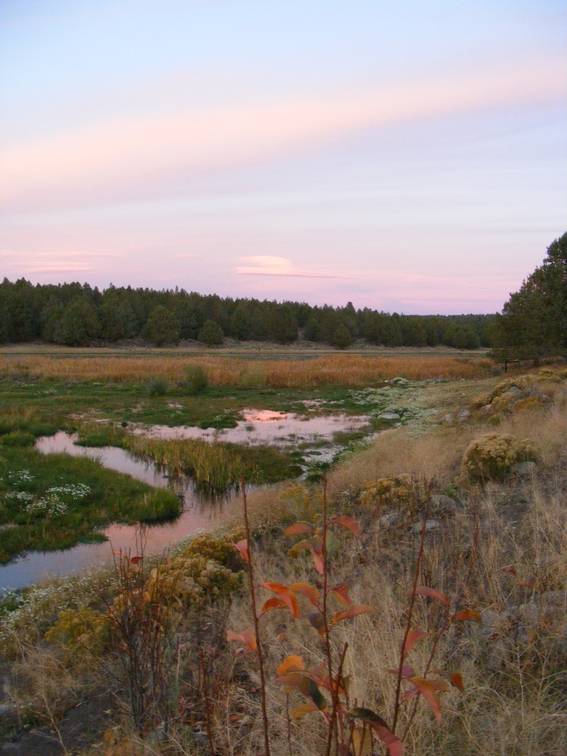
{"x": 414, "y": 596}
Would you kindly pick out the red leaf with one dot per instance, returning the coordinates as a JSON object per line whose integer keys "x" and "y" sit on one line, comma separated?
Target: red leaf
{"x": 467, "y": 615}
{"x": 273, "y": 603}
{"x": 413, "y": 637}
{"x": 380, "y": 727}
{"x": 341, "y": 592}
{"x": 392, "y": 742}
{"x": 136, "y": 559}
{"x": 305, "y": 589}
{"x": 429, "y": 692}
{"x": 431, "y": 593}
{"x": 349, "y": 523}
{"x": 353, "y": 611}
{"x": 457, "y": 681}
{"x": 407, "y": 671}
{"x": 510, "y": 569}
{"x": 318, "y": 560}
{"x": 290, "y": 664}
{"x": 298, "y": 528}
{"x": 246, "y": 636}
{"x": 285, "y": 595}
{"x": 242, "y": 548}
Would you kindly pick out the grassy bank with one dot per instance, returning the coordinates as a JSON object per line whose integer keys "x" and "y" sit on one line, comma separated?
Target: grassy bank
{"x": 55, "y": 501}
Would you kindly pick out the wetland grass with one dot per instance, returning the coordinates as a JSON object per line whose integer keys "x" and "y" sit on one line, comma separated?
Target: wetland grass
{"x": 55, "y": 501}
{"x": 342, "y": 369}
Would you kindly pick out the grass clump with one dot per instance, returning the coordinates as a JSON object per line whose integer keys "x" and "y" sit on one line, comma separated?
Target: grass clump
{"x": 216, "y": 467}
{"x": 196, "y": 380}
{"x": 156, "y": 387}
{"x": 18, "y": 438}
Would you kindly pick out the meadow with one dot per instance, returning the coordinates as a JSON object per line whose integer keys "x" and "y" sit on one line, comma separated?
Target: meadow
{"x": 408, "y": 599}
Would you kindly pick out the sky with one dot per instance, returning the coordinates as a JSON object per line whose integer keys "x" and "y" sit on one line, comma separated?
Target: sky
{"x": 408, "y": 156}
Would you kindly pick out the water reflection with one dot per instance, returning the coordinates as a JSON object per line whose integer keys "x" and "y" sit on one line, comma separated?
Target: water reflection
{"x": 266, "y": 427}
{"x": 200, "y": 512}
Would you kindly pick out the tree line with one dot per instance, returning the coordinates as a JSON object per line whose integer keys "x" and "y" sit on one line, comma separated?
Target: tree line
{"x": 77, "y": 314}
{"x": 533, "y": 323}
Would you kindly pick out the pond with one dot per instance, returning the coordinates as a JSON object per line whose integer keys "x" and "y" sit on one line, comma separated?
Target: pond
{"x": 267, "y": 427}
{"x": 200, "y": 511}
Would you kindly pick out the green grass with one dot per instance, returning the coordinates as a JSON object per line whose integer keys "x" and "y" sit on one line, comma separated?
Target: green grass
{"x": 27, "y": 523}
{"x": 43, "y": 406}
{"x": 217, "y": 467}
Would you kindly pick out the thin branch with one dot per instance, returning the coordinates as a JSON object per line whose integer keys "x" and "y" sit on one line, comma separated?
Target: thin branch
{"x": 408, "y": 623}
{"x": 256, "y": 621}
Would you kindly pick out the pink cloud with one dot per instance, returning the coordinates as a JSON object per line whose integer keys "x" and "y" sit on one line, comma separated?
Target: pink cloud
{"x": 129, "y": 154}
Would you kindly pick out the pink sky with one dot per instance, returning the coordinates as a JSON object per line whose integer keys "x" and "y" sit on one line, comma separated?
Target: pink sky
{"x": 430, "y": 184}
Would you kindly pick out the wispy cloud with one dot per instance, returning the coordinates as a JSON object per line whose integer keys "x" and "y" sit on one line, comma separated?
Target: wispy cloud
{"x": 281, "y": 267}
{"x": 123, "y": 157}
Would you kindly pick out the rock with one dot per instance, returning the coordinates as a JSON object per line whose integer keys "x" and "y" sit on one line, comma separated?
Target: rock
{"x": 524, "y": 469}
{"x": 389, "y": 519}
{"x": 443, "y": 503}
{"x": 463, "y": 415}
{"x": 390, "y": 416}
{"x": 401, "y": 382}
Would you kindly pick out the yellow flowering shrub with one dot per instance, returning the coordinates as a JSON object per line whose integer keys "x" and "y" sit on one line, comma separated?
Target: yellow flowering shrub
{"x": 492, "y": 456}
{"x": 387, "y": 491}
{"x": 191, "y": 582}
{"x": 219, "y": 548}
{"x": 80, "y": 630}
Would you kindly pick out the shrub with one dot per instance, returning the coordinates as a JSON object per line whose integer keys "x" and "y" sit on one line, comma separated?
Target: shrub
{"x": 80, "y": 631}
{"x": 386, "y": 491}
{"x": 192, "y": 582}
{"x": 196, "y": 380}
{"x": 219, "y": 548}
{"x": 157, "y": 387}
{"x": 18, "y": 438}
{"x": 492, "y": 456}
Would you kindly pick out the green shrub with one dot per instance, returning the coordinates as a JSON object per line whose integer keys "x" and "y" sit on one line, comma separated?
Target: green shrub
{"x": 18, "y": 438}
{"x": 157, "y": 387}
{"x": 196, "y": 380}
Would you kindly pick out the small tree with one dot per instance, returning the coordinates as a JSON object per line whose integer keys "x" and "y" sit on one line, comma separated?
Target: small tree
{"x": 211, "y": 333}
{"x": 161, "y": 327}
{"x": 342, "y": 337}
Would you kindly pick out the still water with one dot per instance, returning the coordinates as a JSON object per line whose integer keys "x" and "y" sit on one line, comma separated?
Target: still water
{"x": 199, "y": 513}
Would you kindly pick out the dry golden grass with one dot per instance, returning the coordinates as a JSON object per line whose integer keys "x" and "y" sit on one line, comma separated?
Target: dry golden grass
{"x": 342, "y": 369}
{"x": 513, "y": 664}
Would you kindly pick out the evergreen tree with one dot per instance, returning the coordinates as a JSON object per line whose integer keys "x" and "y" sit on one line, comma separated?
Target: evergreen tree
{"x": 211, "y": 333}
{"x": 161, "y": 326}
{"x": 342, "y": 338}
{"x": 78, "y": 325}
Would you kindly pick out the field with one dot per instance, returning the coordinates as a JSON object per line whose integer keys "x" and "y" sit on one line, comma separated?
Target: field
{"x": 245, "y": 368}
{"x": 463, "y": 493}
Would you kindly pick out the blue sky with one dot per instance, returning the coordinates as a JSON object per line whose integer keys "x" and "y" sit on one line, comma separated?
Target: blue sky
{"x": 409, "y": 156}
